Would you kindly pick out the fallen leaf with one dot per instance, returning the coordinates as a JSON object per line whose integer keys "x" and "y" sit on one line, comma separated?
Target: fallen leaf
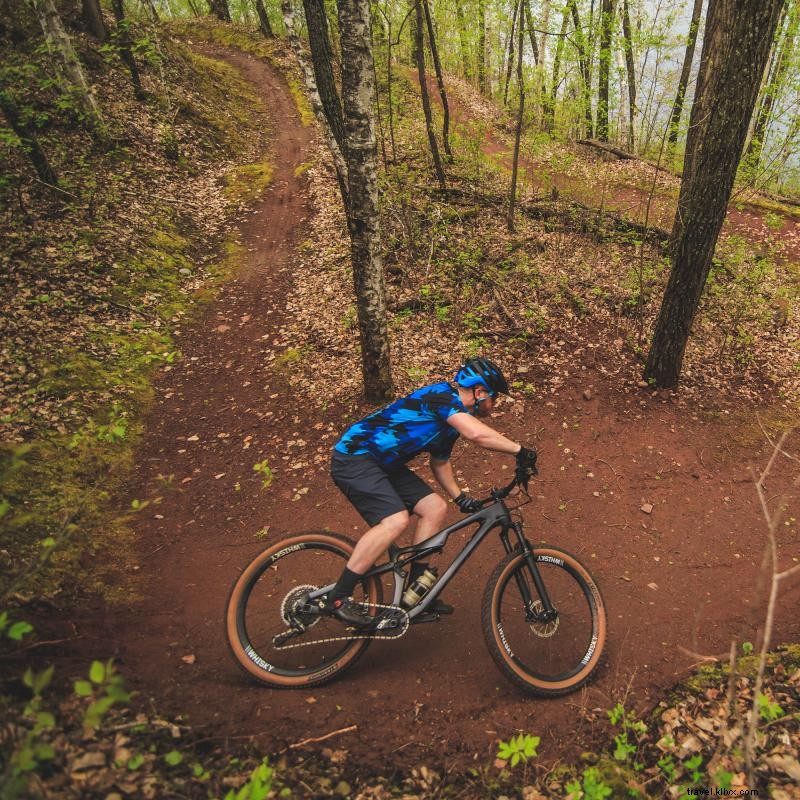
{"x": 190, "y": 659}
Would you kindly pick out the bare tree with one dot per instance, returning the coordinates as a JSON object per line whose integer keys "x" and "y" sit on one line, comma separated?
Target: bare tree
{"x": 27, "y": 138}
{"x": 736, "y": 45}
{"x": 59, "y": 42}
{"x": 466, "y": 61}
{"x": 437, "y": 66}
{"x": 688, "y": 57}
{"x": 482, "y": 85}
{"x": 263, "y": 20}
{"x": 419, "y": 55}
{"x": 520, "y": 113}
{"x": 630, "y": 69}
{"x": 93, "y": 17}
{"x": 584, "y": 63}
{"x": 358, "y": 96}
{"x": 123, "y": 42}
{"x": 603, "y": 67}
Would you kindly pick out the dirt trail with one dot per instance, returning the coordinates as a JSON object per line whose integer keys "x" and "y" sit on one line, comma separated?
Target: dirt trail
{"x": 679, "y": 579}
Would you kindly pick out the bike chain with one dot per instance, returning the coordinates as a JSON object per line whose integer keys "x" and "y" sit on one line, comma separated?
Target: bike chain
{"x": 371, "y": 636}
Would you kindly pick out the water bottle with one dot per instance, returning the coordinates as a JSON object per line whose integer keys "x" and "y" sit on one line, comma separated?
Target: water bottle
{"x": 419, "y": 588}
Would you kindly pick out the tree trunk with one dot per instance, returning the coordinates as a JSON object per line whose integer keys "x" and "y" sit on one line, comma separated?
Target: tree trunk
{"x": 520, "y": 112}
{"x": 29, "y": 142}
{"x": 358, "y": 95}
{"x": 466, "y": 62}
{"x": 322, "y": 60}
{"x": 775, "y": 80}
{"x": 604, "y": 67}
{"x": 263, "y": 20}
{"x": 93, "y": 18}
{"x": 437, "y": 66}
{"x": 220, "y": 9}
{"x": 151, "y": 7}
{"x": 484, "y": 89}
{"x": 736, "y": 45}
{"x": 58, "y": 41}
{"x": 419, "y": 54}
{"x": 531, "y": 31}
{"x": 630, "y": 69}
{"x": 586, "y": 76}
{"x": 316, "y": 102}
{"x": 510, "y": 64}
{"x": 688, "y": 57}
{"x": 123, "y": 42}
{"x": 550, "y": 107}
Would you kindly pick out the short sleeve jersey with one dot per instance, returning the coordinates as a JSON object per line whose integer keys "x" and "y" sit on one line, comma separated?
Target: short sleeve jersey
{"x": 411, "y": 425}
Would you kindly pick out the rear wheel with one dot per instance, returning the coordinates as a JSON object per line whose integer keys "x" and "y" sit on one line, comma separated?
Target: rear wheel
{"x": 544, "y": 658}
{"x": 268, "y": 597}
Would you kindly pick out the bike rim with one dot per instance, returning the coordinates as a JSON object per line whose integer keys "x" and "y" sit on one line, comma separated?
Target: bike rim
{"x": 554, "y": 654}
{"x": 261, "y": 603}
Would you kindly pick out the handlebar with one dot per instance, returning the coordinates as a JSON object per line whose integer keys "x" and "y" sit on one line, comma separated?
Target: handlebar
{"x": 500, "y": 494}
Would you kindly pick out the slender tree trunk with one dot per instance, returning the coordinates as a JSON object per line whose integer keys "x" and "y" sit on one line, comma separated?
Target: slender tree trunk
{"x": 389, "y": 98}
{"x": 322, "y": 60}
{"x": 520, "y": 112}
{"x": 482, "y": 86}
{"x": 531, "y": 31}
{"x": 545, "y": 23}
{"x": 339, "y": 163}
{"x": 220, "y": 9}
{"x": 419, "y": 54}
{"x": 630, "y": 69}
{"x": 550, "y": 109}
{"x": 437, "y": 66}
{"x": 58, "y": 41}
{"x": 93, "y": 17}
{"x": 466, "y": 62}
{"x": 30, "y": 144}
{"x": 784, "y": 50}
{"x": 510, "y": 59}
{"x": 604, "y": 67}
{"x": 194, "y": 8}
{"x": 151, "y": 7}
{"x": 123, "y": 41}
{"x": 683, "y": 82}
{"x": 736, "y": 45}
{"x": 585, "y": 69}
{"x": 263, "y": 20}
{"x": 358, "y": 95}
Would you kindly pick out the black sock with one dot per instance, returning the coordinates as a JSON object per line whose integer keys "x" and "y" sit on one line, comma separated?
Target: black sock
{"x": 346, "y": 584}
{"x": 417, "y": 568}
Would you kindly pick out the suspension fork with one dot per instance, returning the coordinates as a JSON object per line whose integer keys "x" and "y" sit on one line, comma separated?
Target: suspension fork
{"x": 548, "y": 612}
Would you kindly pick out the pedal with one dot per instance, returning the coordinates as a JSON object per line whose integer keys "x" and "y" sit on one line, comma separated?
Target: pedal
{"x": 428, "y": 616}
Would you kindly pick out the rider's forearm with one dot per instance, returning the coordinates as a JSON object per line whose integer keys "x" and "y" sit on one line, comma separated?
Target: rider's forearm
{"x": 492, "y": 440}
{"x": 443, "y": 472}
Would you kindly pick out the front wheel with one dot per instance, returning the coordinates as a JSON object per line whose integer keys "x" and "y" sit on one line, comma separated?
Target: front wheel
{"x": 552, "y": 657}
{"x": 266, "y": 598}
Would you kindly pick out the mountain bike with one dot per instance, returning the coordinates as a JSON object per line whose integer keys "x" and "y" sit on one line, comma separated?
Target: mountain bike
{"x": 542, "y": 614}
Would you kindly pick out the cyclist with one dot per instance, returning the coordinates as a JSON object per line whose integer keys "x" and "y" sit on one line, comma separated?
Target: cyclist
{"x": 369, "y": 467}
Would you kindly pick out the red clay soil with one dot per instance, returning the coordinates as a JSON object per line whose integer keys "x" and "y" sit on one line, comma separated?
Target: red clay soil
{"x": 678, "y": 582}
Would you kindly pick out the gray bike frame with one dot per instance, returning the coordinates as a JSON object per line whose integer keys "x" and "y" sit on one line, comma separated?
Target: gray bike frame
{"x": 493, "y": 516}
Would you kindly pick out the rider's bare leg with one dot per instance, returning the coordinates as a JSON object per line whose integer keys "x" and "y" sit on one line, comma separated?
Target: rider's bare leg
{"x": 377, "y": 540}
{"x": 431, "y": 510}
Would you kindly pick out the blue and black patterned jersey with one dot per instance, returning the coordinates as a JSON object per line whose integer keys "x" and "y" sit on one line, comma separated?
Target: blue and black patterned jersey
{"x": 396, "y": 433}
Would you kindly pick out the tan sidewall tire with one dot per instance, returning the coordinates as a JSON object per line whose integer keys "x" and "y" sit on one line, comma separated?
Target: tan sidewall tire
{"x": 512, "y": 670}
{"x": 347, "y": 659}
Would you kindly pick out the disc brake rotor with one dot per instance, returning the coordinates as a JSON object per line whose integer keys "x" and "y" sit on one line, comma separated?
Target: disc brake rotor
{"x": 542, "y": 629}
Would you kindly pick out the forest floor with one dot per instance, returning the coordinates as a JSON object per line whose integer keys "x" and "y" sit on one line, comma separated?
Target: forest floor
{"x": 654, "y": 495}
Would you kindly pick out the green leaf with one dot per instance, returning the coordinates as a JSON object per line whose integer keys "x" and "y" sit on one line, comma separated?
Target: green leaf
{"x": 48, "y": 542}
{"x": 135, "y": 761}
{"x": 3, "y": 620}
{"x": 42, "y": 680}
{"x": 83, "y": 688}
{"x": 173, "y": 758}
{"x": 19, "y": 629}
{"x": 5, "y": 506}
{"x": 45, "y": 721}
{"x": 97, "y": 673}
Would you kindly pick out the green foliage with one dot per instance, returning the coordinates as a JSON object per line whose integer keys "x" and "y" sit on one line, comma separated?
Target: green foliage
{"x": 590, "y": 787}
{"x": 518, "y": 748}
{"x": 258, "y": 786}
{"x": 264, "y": 470}
{"x": 767, "y": 709}
{"x": 105, "y": 688}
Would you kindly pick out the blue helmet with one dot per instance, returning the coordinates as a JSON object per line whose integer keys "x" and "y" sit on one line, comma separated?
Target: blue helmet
{"x": 481, "y": 371}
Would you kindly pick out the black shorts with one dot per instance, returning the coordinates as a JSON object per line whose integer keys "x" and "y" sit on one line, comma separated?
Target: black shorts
{"x": 375, "y": 492}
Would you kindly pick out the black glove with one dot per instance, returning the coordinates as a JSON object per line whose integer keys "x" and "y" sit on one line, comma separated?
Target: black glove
{"x": 467, "y": 504}
{"x": 527, "y": 458}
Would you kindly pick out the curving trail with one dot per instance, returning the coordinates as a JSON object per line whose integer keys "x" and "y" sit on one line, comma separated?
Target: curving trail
{"x": 678, "y": 582}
